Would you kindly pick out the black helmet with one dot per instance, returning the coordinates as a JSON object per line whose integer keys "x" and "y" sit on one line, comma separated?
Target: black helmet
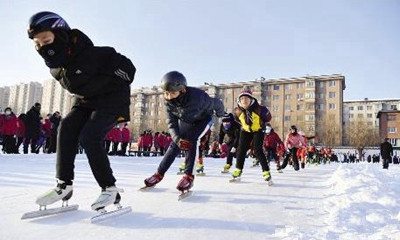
{"x": 44, "y": 21}
{"x": 293, "y": 127}
{"x": 173, "y": 81}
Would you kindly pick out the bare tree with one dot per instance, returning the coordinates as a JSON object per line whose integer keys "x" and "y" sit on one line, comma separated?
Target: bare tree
{"x": 329, "y": 134}
{"x": 361, "y": 136}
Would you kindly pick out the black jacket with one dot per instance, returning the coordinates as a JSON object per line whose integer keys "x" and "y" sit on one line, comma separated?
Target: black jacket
{"x": 98, "y": 76}
{"x": 386, "y": 150}
{"x": 233, "y": 134}
{"x": 191, "y": 107}
{"x": 32, "y": 123}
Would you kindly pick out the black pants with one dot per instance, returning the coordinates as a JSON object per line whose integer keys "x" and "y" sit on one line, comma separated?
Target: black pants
{"x": 53, "y": 144}
{"x": 386, "y": 163}
{"x": 244, "y": 145}
{"x": 89, "y": 127}
{"x": 107, "y": 144}
{"x": 229, "y": 158}
{"x": 30, "y": 139}
{"x": 193, "y": 133}
{"x": 124, "y": 145}
{"x": 9, "y": 142}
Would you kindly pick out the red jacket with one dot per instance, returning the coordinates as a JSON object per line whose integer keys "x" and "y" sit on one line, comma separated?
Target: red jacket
{"x": 116, "y": 135}
{"x": 8, "y": 124}
{"x": 272, "y": 140}
{"x": 46, "y": 127}
{"x": 126, "y": 135}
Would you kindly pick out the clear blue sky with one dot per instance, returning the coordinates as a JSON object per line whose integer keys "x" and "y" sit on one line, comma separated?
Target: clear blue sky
{"x": 222, "y": 41}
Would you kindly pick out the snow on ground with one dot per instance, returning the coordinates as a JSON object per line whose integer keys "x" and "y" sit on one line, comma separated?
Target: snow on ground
{"x": 337, "y": 201}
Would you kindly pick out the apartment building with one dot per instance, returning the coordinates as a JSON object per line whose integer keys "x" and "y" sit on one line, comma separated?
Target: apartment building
{"x": 55, "y": 98}
{"x": 389, "y": 126}
{"x": 4, "y": 97}
{"x": 312, "y": 103}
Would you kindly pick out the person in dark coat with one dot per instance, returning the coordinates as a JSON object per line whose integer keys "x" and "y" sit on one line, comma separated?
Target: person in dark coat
{"x": 189, "y": 116}
{"x": 231, "y": 129}
{"x": 386, "y": 153}
{"x": 99, "y": 78}
{"x": 32, "y": 128}
{"x": 55, "y": 120}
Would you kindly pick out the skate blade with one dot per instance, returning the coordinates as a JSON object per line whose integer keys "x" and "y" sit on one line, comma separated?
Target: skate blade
{"x": 185, "y": 195}
{"x": 145, "y": 188}
{"x": 50, "y": 211}
{"x": 200, "y": 174}
{"x": 233, "y": 180}
{"x": 270, "y": 183}
{"x": 180, "y": 173}
{"x": 225, "y": 171}
{"x": 109, "y": 215}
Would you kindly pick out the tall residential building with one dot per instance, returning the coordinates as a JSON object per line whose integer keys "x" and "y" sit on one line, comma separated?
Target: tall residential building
{"x": 27, "y": 95}
{"x": 14, "y": 96}
{"x": 4, "y": 97}
{"x": 312, "y": 103}
{"x": 367, "y": 110}
{"x": 55, "y": 98}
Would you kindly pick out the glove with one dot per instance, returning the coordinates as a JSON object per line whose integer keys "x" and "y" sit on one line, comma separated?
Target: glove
{"x": 233, "y": 150}
{"x": 185, "y": 145}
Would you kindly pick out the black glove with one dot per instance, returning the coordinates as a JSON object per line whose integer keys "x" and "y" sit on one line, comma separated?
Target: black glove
{"x": 185, "y": 145}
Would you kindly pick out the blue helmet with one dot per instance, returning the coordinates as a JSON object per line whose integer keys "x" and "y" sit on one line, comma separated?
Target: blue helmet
{"x": 46, "y": 21}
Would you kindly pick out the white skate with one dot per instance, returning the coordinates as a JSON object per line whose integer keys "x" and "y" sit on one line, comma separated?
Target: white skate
{"x": 61, "y": 192}
{"x": 108, "y": 196}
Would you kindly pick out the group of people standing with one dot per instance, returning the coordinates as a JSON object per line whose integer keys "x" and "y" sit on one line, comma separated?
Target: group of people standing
{"x": 29, "y": 129}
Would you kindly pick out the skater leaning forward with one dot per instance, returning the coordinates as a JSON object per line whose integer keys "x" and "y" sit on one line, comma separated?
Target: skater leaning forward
{"x": 231, "y": 129}
{"x": 189, "y": 117}
{"x": 99, "y": 78}
{"x": 253, "y": 118}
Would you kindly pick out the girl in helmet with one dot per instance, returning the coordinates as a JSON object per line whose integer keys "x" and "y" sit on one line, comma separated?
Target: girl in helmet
{"x": 189, "y": 117}
{"x": 99, "y": 78}
{"x": 293, "y": 142}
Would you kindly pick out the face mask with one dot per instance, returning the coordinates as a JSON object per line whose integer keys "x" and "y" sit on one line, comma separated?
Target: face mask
{"x": 267, "y": 130}
{"x": 8, "y": 112}
{"x": 227, "y": 126}
{"x": 55, "y": 54}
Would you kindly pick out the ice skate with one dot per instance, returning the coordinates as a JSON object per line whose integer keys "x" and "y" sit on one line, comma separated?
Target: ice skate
{"x": 62, "y": 191}
{"x": 236, "y": 174}
{"x": 267, "y": 177}
{"x": 226, "y": 168}
{"x": 109, "y": 195}
{"x": 182, "y": 168}
{"x": 200, "y": 170}
{"x": 184, "y": 185}
{"x": 256, "y": 163}
{"x": 152, "y": 181}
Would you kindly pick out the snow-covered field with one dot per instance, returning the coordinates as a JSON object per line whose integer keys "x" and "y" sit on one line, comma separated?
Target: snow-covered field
{"x": 337, "y": 201}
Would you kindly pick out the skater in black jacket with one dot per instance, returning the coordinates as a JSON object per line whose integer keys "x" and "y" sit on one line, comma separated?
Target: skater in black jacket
{"x": 99, "y": 78}
{"x": 386, "y": 153}
{"x": 231, "y": 129}
{"x": 189, "y": 116}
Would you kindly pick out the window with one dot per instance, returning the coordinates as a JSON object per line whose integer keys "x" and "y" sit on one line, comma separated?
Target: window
{"x": 276, "y": 118}
{"x": 351, "y": 108}
{"x": 393, "y": 107}
{"x": 275, "y": 108}
{"x": 320, "y": 95}
{"x": 287, "y": 108}
{"x": 310, "y": 95}
{"x": 300, "y": 96}
{"x": 299, "y": 107}
{"x": 320, "y": 106}
{"x": 310, "y": 106}
{"x": 309, "y": 117}
{"x": 288, "y": 96}
{"x": 391, "y": 130}
{"x": 288, "y": 86}
{"x": 287, "y": 118}
{"x": 369, "y": 115}
{"x": 391, "y": 118}
{"x": 276, "y": 87}
{"x": 360, "y": 108}
{"x": 299, "y": 118}
{"x": 275, "y": 97}
{"x": 369, "y": 123}
{"x": 332, "y": 106}
{"x": 369, "y": 107}
{"x": 300, "y": 85}
{"x": 310, "y": 83}
{"x": 360, "y": 115}
{"x": 321, "y": 84}
{"x": 332, "y": 94}
{"x": 332, "y": 83}
{"x": 351, "y": 115}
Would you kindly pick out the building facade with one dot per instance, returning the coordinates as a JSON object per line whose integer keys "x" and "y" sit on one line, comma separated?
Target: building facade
{"x": 366, "y": 110}
{"x": 389, "y": 126}
{"x": 4, "y": 97}
{"x": 312, "y": 103}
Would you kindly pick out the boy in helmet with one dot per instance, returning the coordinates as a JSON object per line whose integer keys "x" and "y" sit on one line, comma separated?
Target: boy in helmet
{"x": 253, "y": 118}
{"x": 189, "y": 116}
{"x": 99, "y": 78}
{"x": 231, "y": 129}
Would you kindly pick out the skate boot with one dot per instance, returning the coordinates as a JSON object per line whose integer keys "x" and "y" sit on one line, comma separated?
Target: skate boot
{"x": 303, "y": 165}
{"x": 62, "y": 191}
{"x": 200, "y": 170}
{"x": 109, "y": 195}
{"x": 185, "y": 183}
{"x": 236, "y": 175}
{"x": 226, "y": 168}
{"x": 267, "y": 177}
{"x": 279, "y": 169}
{"x": 181, "y": 168}
{"x": 153, "y": 180}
